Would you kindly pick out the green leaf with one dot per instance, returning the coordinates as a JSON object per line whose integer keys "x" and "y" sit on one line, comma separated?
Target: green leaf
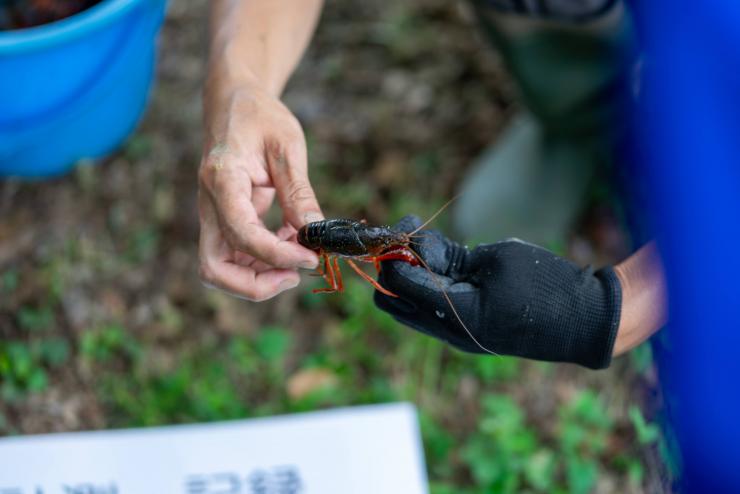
{"x": 635, "y": 472}
{"x": 38, "y": 380}
{"x": 35, "y": 319}
{"x": 242, "y": 355}
{"x": 440, "y": 488}
{"x": 5, "y": 364}
{"x": 641, "y": 357}
{"x": 571, "y": 436}
{"x": 584, "y": 425}
{"x": 581, "y": 475}
{"x": 497, "y": 456}
{"x": 272, "y": 343}
{"x": 497, "y": 368}
{"x": 9, "y": 280}
{"x": 587, "y": 409}
{"x": 646, "y": 433}
{"x": 104, "y": 343}
{"x": 485, "y": 465}
{"x": 437, "y": 441}
{"x": 21, "y": 360}
{"x": 55, "y": 351}
{"x": 540, "y": 469}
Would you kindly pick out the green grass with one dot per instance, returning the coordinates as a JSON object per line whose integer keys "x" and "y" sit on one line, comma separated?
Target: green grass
{"x": 25, "y": 363}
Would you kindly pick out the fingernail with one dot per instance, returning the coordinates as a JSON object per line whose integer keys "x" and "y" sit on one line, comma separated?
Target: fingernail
{"x": 287, "y": 285}
{"x": 311, "y": 217}
{"x": 308, "y": 264}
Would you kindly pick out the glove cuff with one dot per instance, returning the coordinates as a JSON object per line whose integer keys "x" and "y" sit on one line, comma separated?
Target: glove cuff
{"x": 604, "y": 313}
{"x": 576, "y": 315}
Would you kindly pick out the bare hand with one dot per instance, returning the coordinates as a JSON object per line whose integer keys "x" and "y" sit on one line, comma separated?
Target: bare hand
{"x": 254, "y": 149}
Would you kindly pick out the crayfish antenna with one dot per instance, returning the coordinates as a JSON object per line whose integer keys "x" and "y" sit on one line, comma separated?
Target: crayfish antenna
{"x": 447, "y": 297}
{"x": 435, "y": 214}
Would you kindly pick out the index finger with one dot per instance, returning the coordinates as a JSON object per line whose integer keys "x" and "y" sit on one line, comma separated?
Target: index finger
{"x": 219, "y": 269}
{"x": 289, "y": 171}
{"x": 243, "y": 229}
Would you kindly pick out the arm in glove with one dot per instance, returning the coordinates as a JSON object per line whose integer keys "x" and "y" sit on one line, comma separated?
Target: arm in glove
{"x": 515, "y": 298}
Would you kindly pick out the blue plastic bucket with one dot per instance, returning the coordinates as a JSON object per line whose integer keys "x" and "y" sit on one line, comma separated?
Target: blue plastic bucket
{"x": 75, "y": 88}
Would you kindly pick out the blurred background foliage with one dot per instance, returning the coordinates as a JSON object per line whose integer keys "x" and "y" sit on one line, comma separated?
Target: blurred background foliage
{"x": 103, "y": 322}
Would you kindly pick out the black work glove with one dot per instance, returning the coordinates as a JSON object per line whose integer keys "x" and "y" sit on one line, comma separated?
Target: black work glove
{"x": 515, "y": 298}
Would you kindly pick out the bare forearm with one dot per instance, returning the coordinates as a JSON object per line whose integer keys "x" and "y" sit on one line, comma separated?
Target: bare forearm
{"x": 261, "y": 40}
{"x": 254, "y": 149}
{"x": 644, "y": 300}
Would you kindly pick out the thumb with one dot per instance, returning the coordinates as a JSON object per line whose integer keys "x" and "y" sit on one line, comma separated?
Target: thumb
{"x": 289, "y": 170}
{"x": 411, "y": 282}
{"x": 408, "y": 223}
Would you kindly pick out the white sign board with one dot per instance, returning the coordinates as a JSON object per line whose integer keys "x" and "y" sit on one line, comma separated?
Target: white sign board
{"x": 358, "y": 450}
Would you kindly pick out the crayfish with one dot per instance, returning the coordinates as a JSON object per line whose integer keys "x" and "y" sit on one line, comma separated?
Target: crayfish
{"x": 352, "y": 239}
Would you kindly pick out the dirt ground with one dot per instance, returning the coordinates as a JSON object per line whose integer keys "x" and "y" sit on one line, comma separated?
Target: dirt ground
{"x": 99, "y": 284}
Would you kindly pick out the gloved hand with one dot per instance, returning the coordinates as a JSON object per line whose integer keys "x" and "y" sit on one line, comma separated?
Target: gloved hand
{"x": 515, "y": 298}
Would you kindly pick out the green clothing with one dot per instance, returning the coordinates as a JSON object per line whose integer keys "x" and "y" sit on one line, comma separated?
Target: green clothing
{"x": 574, "y": 80}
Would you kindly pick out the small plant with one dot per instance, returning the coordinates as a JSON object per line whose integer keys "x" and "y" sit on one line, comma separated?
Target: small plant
{"x": 584, "y": 428}
{"x": 107, "y": 342}
{"x": 34, "y": 319}
{"x": 498, "y": 368}
{"x": 24, "y": 365}
{"x": 20, "y": 370}
{"x": 53, "y": 351}
{"x": 143, "y": 244}
{"x": 506, "y": 455}
{"x": 438, "y": 445}
{"x": 647, "y": 433}
{"x": 9, "y": 281}
{"x": 641, "y": 357}
{"x": 272, "y": 343}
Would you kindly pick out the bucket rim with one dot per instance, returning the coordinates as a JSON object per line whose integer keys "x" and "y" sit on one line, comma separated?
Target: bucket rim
{"x": 67, "y": 29}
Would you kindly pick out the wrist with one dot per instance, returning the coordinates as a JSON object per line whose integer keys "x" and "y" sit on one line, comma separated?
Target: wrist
{"x": 628, "y": 335}
{"x": 234, "y": 97}
{"x": 644, "y": 300}
{"x": 228, "y": 73}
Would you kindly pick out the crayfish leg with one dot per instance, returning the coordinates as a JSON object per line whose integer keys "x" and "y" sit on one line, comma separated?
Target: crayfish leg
{"x": 338, "y": 276}
{"x": 370, "y": 280}
{"x": 371, "y": 259}
{"x": 323, "y": 290}
{"x": 328, "y": 273}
